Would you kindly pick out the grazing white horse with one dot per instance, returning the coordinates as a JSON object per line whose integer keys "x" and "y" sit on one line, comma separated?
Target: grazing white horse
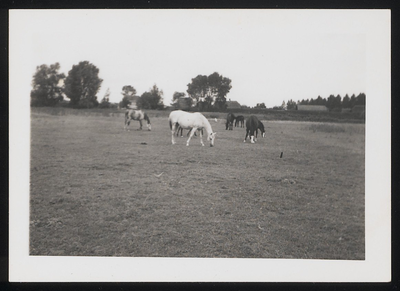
{"x": 136, "y": 115}
{"x": 194, "y": 121}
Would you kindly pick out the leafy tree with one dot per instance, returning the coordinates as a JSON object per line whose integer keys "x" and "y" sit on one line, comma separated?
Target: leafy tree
{"x": 152, "y": 99}
{"x": 176, "y": 96}
{"x": 82, "y": 85}
{"x": 260, "y": 105}
{"x": 219, "y": 87}
{"x": 291, "y": 105}
{"x": 198, "y": 88}
{"x": 320, "y": 101}
{"x": 105, "y": 102}
{"x": 210, "y": 90}
{"x": 330, "y": 103}
{"x": 128, "y": 92}
{"x": 360, "y": 99}
{"x": 346, "y": 101}
{"x": 337, "y": 103}
{"x": 352, "y": 101}
{"x": 46, "y": 90}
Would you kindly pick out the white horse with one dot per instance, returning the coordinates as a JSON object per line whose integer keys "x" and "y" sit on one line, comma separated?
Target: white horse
{"x": 194, "y": 121}
{"x": 136, "y": 115}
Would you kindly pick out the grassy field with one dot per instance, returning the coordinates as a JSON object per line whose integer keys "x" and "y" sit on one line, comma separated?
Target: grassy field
{"x": 97, "y": 190}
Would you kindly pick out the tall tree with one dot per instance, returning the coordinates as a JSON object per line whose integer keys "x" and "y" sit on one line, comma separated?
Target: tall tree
{"x": 337, "y": 102}
{"x": 128, "y": 92}
{"x": 320, "y": 101}
{"x": 352, "y": 101}
{"x": 46, "y": 90}
{"x": 152, "y": 99}
{"x": 198, "y": 88}
{"x": 360, "y": 99}
{"x": 330, "y": 102}
{"x": 291, "y": 105}
{"x": 260, "y": 105}
{"x": 346, "y": 101}
{"x": 82, "y": 85}
{"x": 105, "y": 102}
{"x": 176, "y": 96}
{"x": 210, "y": 90}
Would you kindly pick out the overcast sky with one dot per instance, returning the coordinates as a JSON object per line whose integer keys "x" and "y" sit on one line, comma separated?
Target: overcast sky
{"x": 270, "y": 55}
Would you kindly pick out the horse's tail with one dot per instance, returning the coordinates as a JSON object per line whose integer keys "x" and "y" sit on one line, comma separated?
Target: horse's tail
{"x": 170, "y": 124}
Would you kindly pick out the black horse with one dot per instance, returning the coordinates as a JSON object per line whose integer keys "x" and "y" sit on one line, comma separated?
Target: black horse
{"x": 239, "y": 120}
{"x": 229, "y": 121}
{"x": 180, "y": 129}
{"x": 252, "y": 126}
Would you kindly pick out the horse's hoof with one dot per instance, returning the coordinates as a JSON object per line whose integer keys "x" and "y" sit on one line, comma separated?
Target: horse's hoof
{"x": 244, "y": 141}
{"x": 252, "y": 142}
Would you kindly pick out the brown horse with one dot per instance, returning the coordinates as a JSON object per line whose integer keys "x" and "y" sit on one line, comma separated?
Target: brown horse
{"x": 239, "y": 120}
{"x": 230, "y": 118}
{"x": 252, "y": 126}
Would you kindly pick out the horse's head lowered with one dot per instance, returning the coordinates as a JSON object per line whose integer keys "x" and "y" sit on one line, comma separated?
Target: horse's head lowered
{"x": 261, "y": 127}
{"x": 211, "y": 138}
{"x": 146, "y": 117}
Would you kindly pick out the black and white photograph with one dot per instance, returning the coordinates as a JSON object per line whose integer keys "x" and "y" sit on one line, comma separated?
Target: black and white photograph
{"x": 200, "y": 145}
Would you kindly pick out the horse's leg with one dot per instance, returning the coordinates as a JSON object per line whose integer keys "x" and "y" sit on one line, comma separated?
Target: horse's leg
{"x": 191, "y": 134}
{"x": 127, "y": 122}
{"x": 247, "y": 134}
{"x": 173, "y": 130}
{"x": 201, "y": 137}
{"x": 252, "y": 135}
{"x": 140, "y": 125}
{"x": 255, "y": 139}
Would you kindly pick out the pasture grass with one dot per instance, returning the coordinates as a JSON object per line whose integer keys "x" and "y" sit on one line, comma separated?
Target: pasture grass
{"x": 332, "y": 128}
{"x": 262, "y": 114}
{"x": 97, "y": 190}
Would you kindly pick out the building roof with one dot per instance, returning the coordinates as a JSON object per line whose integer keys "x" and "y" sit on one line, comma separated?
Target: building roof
{"x": 233, "y": 104}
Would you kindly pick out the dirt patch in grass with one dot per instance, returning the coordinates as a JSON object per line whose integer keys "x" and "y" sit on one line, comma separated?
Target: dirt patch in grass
{"x": 97, "y": 190}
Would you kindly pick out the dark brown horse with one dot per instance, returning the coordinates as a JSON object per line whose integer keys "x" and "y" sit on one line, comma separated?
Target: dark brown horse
{"x": 229, "y": 121}
{"x": 252, "y": 126}
{"x": 180, "y": 129}
{"x": 239, "y": 120}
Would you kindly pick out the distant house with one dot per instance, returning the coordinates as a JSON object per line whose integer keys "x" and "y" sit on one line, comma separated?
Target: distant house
{"x": 311, "y": 107}
{"x": 233, "y": 105}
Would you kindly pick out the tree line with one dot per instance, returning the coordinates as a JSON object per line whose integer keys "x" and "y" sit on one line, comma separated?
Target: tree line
{"x": 82, "y": 84}
{"x": 333, "y": 103}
